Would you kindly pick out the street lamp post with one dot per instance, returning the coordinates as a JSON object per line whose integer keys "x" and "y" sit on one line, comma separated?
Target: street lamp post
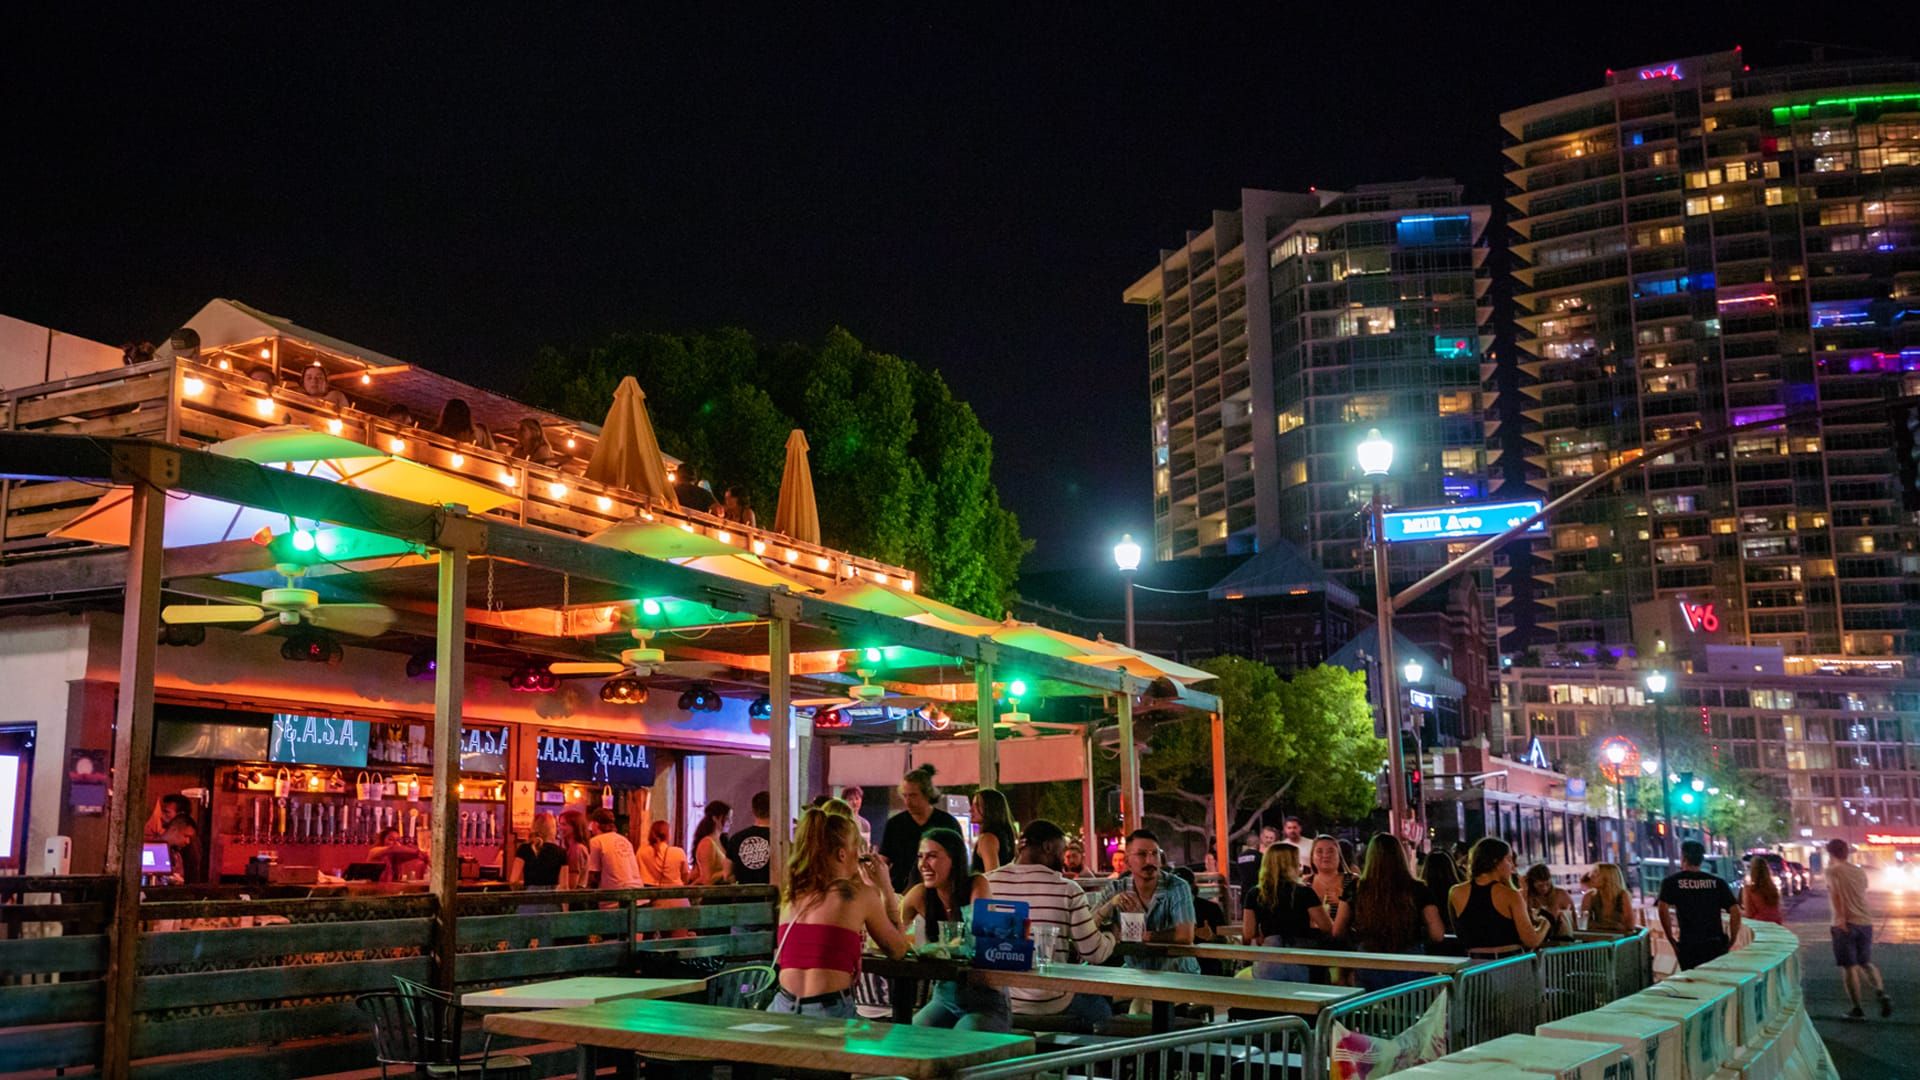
{"x": 1376, "y": 458}
{"x": 1414, "y": 672}
{"x": 1126, "y": 556}
{"x": 1617, "y": 756}
{"x": 1657, "y": 688}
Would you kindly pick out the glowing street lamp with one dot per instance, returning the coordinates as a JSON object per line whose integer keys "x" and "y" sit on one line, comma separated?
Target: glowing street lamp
{"x": 1375, "y": 454}
{"x": 1617, "y": 753}
{"x": 1413, "y": 671}
{"x": 1656, "y": 682}
{"x": 1126, "y": 556}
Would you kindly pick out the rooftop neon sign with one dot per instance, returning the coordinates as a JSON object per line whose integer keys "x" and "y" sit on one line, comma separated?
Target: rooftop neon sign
{"x": 1662, "y": 71}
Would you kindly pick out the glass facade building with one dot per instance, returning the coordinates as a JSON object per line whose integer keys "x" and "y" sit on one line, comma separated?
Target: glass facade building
{"x": 1700, "y": 246}
{"x": 1280, "y": 335}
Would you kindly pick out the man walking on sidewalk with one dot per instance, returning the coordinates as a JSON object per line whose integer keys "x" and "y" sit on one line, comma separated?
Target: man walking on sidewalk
{"x": 1852, "y": 928}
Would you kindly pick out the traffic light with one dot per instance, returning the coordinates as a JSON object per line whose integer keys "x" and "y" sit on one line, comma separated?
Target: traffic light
{"x": 1905, "y": 420}
{"x": 1410, "y": 760}
{"x": 1685, "y": 788}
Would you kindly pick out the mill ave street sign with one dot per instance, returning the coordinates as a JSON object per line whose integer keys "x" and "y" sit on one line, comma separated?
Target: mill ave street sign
{"x": 1452, "y": 522}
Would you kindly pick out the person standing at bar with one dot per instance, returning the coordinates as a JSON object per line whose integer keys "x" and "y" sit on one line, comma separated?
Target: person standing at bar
{"x": 396, "y": 853}
{"x": 853, "y": 795}
{"x": 1696, "y": 899}
{"x": 900, "y": 842}
{"x": 539, "y": 863}
{"x": 610, "y": 860}
{"x": 572, "y": 838}
{"x": 994, "y": 845}
{"x": 750, "y": 851}
{"x": 710, "y": 845}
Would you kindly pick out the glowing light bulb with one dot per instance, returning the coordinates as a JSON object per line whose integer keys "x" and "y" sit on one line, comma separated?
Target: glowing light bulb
{"x": 759, "y": 547}
{"x": 457, "y": 460}
{"x": 263, "y": 406}
{"x": 723, "y": 536}
{"x": 557, "y": 490}
{"x": 821, "y": 562}
{"x": 570, "y": 443}
{"x": 791, "y": 555}
{"x": 224, "y": 364}
{"x": 193, "y": 385}
{"x": 687, "y": 525}
{"x": 396, "y": 445}
{"x": 366, "y": 379}
{"x": 604, "y": 503}
{"x": 266, "y": 353}
{"x": 506, "y": 477}
{"x": 302, "y": 540}
{"x": 335, "y": 427}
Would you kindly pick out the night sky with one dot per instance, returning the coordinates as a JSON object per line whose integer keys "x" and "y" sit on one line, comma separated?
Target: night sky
{"x": 972, "y": 195}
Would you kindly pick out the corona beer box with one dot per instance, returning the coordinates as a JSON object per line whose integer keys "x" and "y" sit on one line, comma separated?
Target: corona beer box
{"x": 1000, "y": 941}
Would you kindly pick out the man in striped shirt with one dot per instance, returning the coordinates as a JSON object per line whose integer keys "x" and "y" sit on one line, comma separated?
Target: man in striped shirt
{"x": 1054, "y": 900}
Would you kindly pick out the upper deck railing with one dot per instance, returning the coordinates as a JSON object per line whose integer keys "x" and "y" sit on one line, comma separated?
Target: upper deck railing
{"x": 196, "y": 403}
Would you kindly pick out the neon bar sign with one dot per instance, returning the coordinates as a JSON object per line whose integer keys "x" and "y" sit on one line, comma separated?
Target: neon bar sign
{"x": 1661, "y": 71}
{"x": 1700, "y": 618}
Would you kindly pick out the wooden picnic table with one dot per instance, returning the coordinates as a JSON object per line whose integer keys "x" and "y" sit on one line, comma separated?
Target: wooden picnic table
{"x": 1438, "y": 965}
{"x": 1165, "y": 989}
{"x": 577, "y": 992}
{"x": 783, "y": 1041}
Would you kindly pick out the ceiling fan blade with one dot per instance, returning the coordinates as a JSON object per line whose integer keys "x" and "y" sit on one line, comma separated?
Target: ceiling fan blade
{"x": 689, "y": 669}
{"x": 822, "y": 702}
{"x": 585, "y": 667}
{"x": 187, "y": 614}
{"x": 359, "y": 620}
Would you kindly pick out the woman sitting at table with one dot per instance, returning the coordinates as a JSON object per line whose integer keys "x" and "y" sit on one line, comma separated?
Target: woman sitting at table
{"x": 1282, "y": 913}
{"x": 1550, "y": 901}
{"x": 945, "y": 891}
{"x": 831, "y": 896}
{"x": 1390, "y": 913}
{"x": 1490, "y": 916}
{"x": 1608, "y": 908}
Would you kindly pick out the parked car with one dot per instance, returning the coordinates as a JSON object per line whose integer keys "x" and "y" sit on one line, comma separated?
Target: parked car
{"x": 1803, "y": 879}
{"x": 1783, "y": 878}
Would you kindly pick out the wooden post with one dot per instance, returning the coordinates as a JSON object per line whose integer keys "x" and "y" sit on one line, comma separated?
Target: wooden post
{"x": 984, "y": 717}
{"x": 1090, "y": 840}
{"x": 149, "y": 472}
{"x": 1221, "y": 846}
{"x": 449, "y": 697}
{"x": 1130, "y": 799}
{"x": 780, "y": 733}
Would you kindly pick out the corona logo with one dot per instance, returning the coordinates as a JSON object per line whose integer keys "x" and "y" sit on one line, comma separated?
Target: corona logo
{"x": 1701, "y": 618}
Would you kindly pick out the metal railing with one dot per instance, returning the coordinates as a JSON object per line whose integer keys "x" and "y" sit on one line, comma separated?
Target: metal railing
{"x": 1576, "y": 978}
{"x": 1381, "y": 1014}
{"x": 1633, "y": 963}
{"x": 1500, "y": 997}
{"x": 1275, "y": 1046}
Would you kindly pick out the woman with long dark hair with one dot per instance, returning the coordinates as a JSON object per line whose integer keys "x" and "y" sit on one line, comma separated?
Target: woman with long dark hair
{"x": 994, "y": 846}
{"x": 1390, "y": 913}
{"x": 1439, "y": 875}
{"x": 1761, "y": 898}
{"x": 1489, "y": 915}
{"x": 826, "y": 906}
{"x": 710, "y": 845}
{"x": 573, "y": 840}
{"x": 946, "y": 889}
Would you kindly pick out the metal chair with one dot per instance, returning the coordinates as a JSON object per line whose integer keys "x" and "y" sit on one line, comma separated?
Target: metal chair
{"x": 747, "y": 987}
{"x": 422, "y": 1032}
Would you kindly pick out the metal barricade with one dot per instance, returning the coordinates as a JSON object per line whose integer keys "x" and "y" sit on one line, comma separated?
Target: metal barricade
{"x": 1274, "y": 1047}
{"x": 1383, "y": 1014}
{"x": 1499, "y": 997}
{"x": 1575, "y": 978}
{"x": 1632, "y": 963}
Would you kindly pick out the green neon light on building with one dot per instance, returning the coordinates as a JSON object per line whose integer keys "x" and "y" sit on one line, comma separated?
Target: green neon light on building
{"x": 1784, "y": 113}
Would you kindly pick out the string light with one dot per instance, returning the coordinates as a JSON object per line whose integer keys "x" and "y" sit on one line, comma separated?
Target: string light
{"x": 193, "y": 385}
{"x": 759, "y": 547}
{"x": 263, "y": 406}
{"x": 506, "y": 477}
{"x": 224, "y": 364}
{"x": 604, "y": 503}
{"x": 792, "y": 555}
{"x": 723, "y": 536}
{"x": 457, "y": 460}
{"x": 266, "y": 353}
{"x": 366, "y": 379}
{"x": 396, "y": 444}
{"x": 557, "y": 490}
{"x": 335, "y": 427}
{"x": 570, "y": 443}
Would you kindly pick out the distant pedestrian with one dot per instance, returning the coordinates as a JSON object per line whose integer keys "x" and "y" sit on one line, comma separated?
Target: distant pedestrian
{"x": 1291, "y": 832}
{"x": 1853, "y": 929}
{"x": 1696, "y": 899}
{"x": 1760, "y": 899}
{"x": 1246, "y": 866}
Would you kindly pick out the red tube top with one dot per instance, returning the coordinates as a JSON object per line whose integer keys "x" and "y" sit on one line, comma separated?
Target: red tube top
{"x": 819, "y": 945}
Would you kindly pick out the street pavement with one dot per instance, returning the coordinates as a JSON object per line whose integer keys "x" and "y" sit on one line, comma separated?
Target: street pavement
{"x": 1871, "y": 1048}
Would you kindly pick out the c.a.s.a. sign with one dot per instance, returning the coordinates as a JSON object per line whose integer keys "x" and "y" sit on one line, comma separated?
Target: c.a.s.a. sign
{"x": 570, "y": 760}
{"x": 317, "y": 740}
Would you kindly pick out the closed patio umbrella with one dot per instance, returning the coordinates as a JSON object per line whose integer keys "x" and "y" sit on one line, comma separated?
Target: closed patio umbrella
{"x": 628, "y": 454}
{"x": 797, "y": 515}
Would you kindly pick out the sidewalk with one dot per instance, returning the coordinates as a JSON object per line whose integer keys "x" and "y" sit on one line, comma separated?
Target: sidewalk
{"x": 1871, "y": 1048}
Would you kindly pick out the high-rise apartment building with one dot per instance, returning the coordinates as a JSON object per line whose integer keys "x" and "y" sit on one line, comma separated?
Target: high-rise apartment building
{"x": 1280, "y": 334}
{"x": 1701, "y": 246}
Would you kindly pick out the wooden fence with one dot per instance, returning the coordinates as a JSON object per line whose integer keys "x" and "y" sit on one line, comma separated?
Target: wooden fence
{"x": 266, "y": 987}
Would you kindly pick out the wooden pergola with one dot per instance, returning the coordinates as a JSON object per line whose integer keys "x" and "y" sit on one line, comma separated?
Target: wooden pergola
{"x": 452, "y": 539}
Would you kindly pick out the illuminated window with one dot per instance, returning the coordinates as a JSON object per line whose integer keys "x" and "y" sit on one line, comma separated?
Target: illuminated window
{"x": 1696, "y": 180}
{"x": 1290, "y": 419}
{"x": 1295, "y": 473}
{"x": 1696, "y": 207}
{"x": 1736, "y": 172}
{"x": 1771, "y": 170}
{"x": 1840, "y": 214}
{"x": 1775, "y": 196}
{"x": 1456, "y": 403}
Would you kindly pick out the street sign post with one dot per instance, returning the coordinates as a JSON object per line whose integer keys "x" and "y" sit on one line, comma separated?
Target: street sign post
{"x": 1454, "y": 522}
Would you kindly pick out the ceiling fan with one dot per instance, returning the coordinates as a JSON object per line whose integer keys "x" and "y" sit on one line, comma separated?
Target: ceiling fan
{"x": 1025, "y": 725}
{"x": 638, "y": 662}
{"x": 865, "y": 692}
{"x": 290, "y": 605}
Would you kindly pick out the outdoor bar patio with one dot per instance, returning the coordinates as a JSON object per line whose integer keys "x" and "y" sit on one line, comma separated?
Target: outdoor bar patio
{"x": 474, "y": 569}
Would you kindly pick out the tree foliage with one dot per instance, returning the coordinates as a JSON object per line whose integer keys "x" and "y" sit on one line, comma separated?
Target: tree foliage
{"x": 1304, "y": 745}
{"x": 1747, "y": 809}
{"x": 901, "y": 469}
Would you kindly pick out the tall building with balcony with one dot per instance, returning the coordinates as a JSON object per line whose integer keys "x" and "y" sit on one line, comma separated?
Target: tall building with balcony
{"x": 1700, "y": 246}
{"x": 1280, "y": 334}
